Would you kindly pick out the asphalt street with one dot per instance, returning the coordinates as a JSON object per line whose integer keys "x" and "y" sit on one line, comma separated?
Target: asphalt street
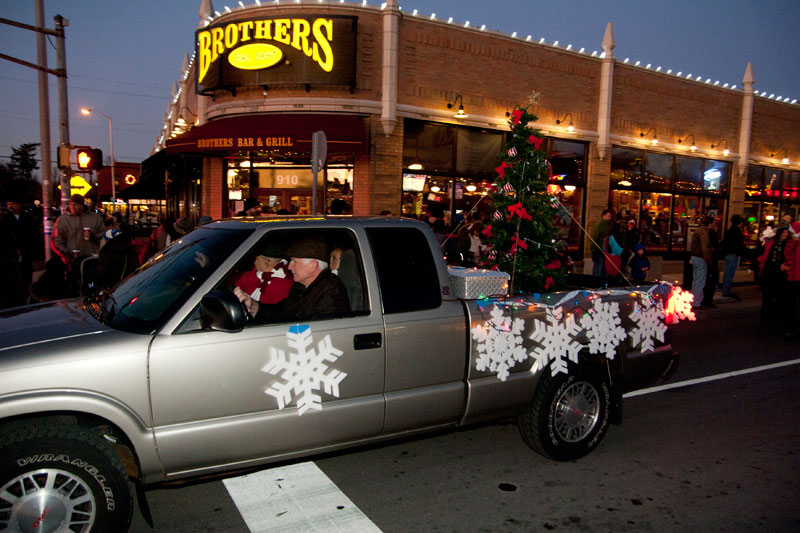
{"x": 715, "y": 453}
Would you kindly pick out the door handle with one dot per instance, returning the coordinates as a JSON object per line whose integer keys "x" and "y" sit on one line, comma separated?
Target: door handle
{"x": 367, "y": 341}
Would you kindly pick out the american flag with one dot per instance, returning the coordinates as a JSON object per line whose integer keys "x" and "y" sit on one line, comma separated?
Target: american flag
{"x": 512, "y": 152}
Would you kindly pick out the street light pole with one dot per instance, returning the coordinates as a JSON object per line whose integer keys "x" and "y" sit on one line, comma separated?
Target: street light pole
{"x": 88, "y": 111}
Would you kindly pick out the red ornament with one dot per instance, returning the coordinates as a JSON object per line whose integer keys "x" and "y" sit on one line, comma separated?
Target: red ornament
{"x": 517, "y": 242}
{"x": 520, "y": 211}
{"x": 516, "y": 116}
{"x": 501, "y": 170}
{"x": 535, "y": 141}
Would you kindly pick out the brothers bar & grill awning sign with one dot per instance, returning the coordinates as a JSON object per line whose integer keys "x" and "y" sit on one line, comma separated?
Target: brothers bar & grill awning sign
{"x": 300, "y": 49}
{"x": 272, "y": 133}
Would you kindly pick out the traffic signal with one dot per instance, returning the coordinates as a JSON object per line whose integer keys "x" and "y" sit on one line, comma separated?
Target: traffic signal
{"x": 89, "y": 158}
{"x": 63, "y": 157}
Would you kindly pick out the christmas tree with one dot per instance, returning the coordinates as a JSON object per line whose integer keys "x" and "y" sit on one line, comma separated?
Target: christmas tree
{"x": 521, "y": 235}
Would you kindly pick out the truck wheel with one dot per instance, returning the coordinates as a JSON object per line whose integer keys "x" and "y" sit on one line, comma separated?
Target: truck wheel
{"x": 57, "y": 477}
{"x": 568, "y": 416}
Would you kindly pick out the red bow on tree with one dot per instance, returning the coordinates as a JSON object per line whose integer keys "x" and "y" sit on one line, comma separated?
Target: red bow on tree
{"x": 488, "y": 231}
{"x": 501, "y": 170}
{"x": 516, "y": 116}
{"x": 535, "y": 141}
{"x": 517, "y": 242}
{"x": 520, "y": 211}
{"x": 547, "y": 282}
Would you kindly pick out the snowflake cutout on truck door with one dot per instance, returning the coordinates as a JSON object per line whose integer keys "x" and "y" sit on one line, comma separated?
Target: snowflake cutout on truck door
{"x": 304, "y": 371}
{"x": 603, "y": 327}
{"x": 556, "y": 340}
{"x": 649, "y": 319}
{"x": 499, "y": 343}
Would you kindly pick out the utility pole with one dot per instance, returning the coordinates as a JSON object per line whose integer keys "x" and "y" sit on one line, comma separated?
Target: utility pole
{"x": 44, "y": 106}
{"x": 63, "y": 107}
{"x": 44, "y": 128}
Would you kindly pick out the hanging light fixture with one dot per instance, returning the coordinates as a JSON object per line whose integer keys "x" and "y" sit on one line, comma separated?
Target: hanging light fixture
{"x": 693, "y": 146}
{"x": 570, "y": 128}
{"x": 654, "y": 140}
{"x": 460, "y": 114}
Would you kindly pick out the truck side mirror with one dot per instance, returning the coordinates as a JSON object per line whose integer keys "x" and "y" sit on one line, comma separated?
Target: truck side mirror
{"x": 222, "y": 311}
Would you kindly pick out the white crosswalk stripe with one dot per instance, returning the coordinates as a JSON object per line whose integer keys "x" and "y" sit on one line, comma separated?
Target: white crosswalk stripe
{"x": 297, "y": 498}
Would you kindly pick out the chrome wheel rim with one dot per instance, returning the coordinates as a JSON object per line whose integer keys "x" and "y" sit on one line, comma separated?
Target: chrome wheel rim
{"x": 577, "y": 411}
{"x": 47, "y": 500}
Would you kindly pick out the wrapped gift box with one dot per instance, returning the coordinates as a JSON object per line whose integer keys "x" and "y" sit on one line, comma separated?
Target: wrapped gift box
{"x": 471, "y": 283}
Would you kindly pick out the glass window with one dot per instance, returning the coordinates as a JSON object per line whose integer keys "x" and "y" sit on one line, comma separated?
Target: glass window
{"x": 625, "y": 204}
{"x": 566, "y": 217}
{"x": 428, "y": 145}
{"x": 751, "y": 218}
{"x": 791, "y": 185}
{"x": 656, "y": 208}
{"x": 715, "y": 176}
{"x": 658, "y": 171}
{"x": 772, "y": 183}
{"x": 568, "y": 160}
{"x": 477, "y": 150}
{"x": 755, "y": 182}
{"x": 686, "y": 212}
{"x": 626, "y": 167}
{"x": 689, "y": 173}
{"x": 407, "y": 272}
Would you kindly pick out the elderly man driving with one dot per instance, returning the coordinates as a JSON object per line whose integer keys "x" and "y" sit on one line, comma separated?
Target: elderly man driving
{"x": 317, "y": 292}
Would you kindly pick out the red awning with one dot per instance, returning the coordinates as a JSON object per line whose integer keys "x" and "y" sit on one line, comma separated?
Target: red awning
{"x": 289, "y": 134}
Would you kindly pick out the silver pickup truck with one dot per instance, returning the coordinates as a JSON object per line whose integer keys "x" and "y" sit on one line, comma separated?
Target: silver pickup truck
{"x": 166, "y": 377}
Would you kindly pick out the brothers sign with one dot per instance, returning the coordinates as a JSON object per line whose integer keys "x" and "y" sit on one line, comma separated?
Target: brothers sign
{"x": 272, "y": 51}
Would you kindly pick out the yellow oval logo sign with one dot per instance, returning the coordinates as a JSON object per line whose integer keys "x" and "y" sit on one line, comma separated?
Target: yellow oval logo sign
{"x": 255, "y": 56}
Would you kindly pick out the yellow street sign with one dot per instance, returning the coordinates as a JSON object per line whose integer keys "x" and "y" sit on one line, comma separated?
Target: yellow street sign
{"x": 78, "y": 185}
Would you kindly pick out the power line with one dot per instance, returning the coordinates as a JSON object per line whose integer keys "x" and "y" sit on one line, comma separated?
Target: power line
{"x": 90, "y": 89}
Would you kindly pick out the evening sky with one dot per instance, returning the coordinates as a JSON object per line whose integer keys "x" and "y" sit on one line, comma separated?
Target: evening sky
{"x": 123, "y": 56}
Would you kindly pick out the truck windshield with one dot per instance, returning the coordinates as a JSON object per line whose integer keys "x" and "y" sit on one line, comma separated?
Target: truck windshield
{"x": 144, "y": 300}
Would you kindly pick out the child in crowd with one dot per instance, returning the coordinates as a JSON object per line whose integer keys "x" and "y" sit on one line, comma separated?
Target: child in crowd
{"x": 639, "y": 263}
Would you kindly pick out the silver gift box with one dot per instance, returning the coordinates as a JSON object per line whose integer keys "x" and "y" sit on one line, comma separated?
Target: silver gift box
{"x": 472, "y": 283}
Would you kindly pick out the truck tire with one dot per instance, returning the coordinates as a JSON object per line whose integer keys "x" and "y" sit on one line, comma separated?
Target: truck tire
{"x": 61, "y": 477}
{"x": 569, "y": 414}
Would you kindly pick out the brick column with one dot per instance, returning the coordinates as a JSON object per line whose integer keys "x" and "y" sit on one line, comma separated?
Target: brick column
{"x": 212, "y": 188}
{"x": 598, "y": 185}
{"x": 386, "y": 163}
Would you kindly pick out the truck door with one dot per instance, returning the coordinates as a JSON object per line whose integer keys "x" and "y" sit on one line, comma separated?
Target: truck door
{"x": 425, "y": 332}
{"x": 270, "y": 390}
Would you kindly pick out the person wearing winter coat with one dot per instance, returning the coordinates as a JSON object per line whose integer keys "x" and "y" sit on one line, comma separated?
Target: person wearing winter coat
{"x": 116, "y": 260}
{"x": 270, "y": 280}
{"x": 732, "y": 249}
{"x": 639, "y": 263}
{"x": 791, "y": 266}
{"x": 773, "y": 276}
{"x": 701, "y": 257}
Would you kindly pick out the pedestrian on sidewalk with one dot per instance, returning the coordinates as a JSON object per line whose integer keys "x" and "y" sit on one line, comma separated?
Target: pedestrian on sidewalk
{"x": 773, "y": 277}
{"x": 791, "y": 266}
{"x": 732, "y": 249}
{"x": 598, "y": 233}
{"x": 701, "y": 257}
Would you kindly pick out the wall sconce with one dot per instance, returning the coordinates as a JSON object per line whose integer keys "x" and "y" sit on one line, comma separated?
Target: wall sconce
{"x": 570, "y": 128}
{"x": 785, "y": 159}
{"x": 693, "y": 146}
{"x": 460, "y": 115}
{"x": 183, "y": 123}
{"x": 725, "y": 152}
{"x": 654, "y": 140}
{"x": 508, "y": 113}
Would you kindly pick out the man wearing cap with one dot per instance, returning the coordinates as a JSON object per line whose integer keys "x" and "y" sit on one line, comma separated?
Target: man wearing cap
{"x": 317, "y": 292}
{"x": 252, "y": 208}
{"x": 733, "y": 248}
{"x": 77, "y": 233}
{"x": 269, "y": 281}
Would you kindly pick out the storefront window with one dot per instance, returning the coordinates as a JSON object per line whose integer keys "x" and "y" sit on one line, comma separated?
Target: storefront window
{"x": 428, "y": 146}
{"x": 658, "y": 171}
{"x": 791, "y": 185}
{"x": 755, "y": 182}
{"x": 626, "y": 167}
{"x": 688, "y": 173}
{"x": 477, "y": 151}
{"x": 771, "y": 194}
{"x": 715, "y": 176}
{"x": 656, "y": 208}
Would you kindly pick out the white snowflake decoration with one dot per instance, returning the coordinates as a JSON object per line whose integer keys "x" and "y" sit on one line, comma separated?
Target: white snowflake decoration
{"x": 499, "y": 343}
{"x": 304, "y": 370}
{"x": 556, "y": 339}
{"x": 649, "y": 319}
{"x": 603, "y": 327}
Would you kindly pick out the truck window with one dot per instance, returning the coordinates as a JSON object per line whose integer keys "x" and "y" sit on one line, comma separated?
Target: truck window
{"x": 264, "y": 273}
{"x": 406, "y": 269}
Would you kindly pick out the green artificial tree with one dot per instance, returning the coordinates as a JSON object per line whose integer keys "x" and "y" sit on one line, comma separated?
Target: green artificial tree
{"x": 521, "y": 237}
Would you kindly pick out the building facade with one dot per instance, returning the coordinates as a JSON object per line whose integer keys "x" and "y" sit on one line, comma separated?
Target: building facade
{"x": 414, "y": 110}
